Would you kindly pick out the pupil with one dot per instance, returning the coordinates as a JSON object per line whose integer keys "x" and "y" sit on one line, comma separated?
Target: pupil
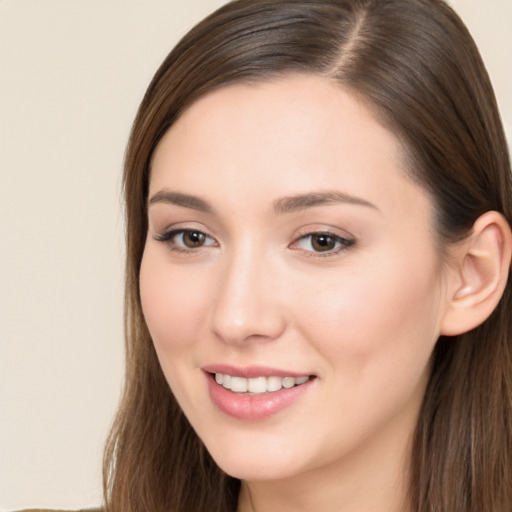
{"x": 323, "y": 242}
{"x": 193, "y": 239}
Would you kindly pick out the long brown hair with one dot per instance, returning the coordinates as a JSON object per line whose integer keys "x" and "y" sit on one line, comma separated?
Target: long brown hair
{"x": 415, "y": 65}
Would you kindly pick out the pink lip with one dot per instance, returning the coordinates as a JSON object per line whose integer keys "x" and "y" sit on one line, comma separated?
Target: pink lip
{"x": 257, "y": 407}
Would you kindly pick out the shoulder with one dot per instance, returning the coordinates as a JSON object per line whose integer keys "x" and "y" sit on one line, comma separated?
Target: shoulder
{"x": 53, "y": 510}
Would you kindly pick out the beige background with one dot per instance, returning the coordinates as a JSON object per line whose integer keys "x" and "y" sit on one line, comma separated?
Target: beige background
{"x": 71, "y": 75}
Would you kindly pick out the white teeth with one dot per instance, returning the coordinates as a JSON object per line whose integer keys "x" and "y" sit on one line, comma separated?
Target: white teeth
{"x": 288, "y": 382}
{"x": 274, "y": 383}
{"x": 258, "y": 385}
{"x": 226, "y": 381}
{"x": 238, "y": 384}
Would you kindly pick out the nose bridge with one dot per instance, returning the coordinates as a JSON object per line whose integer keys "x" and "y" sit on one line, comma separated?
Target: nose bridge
{"x": 246, "y": 305}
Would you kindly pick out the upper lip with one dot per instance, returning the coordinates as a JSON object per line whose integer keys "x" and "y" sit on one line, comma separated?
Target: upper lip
{"x": 252, "y": 371}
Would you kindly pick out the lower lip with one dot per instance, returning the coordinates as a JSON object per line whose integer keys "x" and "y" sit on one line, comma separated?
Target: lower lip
{"x": 254, "y": 407}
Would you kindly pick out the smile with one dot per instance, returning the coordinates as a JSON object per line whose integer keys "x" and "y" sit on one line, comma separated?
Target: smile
{"x": 258, "y": 385}
{"x": 255, "y": 393}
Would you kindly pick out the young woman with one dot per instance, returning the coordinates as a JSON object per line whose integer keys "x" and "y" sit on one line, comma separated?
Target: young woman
{"x": 318, "y": 202}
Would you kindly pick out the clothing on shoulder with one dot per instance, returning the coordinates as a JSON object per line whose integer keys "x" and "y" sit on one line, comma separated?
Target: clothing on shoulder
{"x": 53, "y": 510}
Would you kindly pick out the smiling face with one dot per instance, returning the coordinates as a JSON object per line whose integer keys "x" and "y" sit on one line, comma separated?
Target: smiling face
{"x": 288, "y": 247}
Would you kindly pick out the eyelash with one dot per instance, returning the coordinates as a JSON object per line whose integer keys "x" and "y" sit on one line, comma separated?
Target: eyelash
{"x": 170, "y": 239}
{"x": 341, "y": 243}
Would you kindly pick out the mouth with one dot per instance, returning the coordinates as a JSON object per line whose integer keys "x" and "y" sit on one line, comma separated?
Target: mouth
{"x": 254, "y": 393}
{"x": 258, "y": 385}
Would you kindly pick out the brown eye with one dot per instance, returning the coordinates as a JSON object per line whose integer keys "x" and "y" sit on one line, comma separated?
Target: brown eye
{"x": 186, "y": 239}
{"x": 193, "y": 239}
{"x": 322, "y": 242}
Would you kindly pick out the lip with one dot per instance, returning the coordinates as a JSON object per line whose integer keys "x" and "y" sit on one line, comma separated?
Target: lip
{"x": 253, "y": 407}
{"x": 251, "y": 371}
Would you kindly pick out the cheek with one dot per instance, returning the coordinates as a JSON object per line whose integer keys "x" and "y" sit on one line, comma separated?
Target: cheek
{"x": 173, "y": 302}
{"x": 376, "y": 318}
{"x": 375, "y": 332}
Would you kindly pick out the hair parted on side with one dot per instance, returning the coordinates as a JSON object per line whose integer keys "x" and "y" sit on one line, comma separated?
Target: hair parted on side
{"x": 415, "y": 65}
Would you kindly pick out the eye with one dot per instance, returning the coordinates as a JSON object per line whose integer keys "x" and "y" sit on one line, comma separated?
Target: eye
{"x": 322, "y": 243}
{"x": 186, "y": 239}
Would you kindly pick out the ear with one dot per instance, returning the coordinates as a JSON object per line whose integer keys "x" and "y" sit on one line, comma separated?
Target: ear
{"x": 479, "y": 274}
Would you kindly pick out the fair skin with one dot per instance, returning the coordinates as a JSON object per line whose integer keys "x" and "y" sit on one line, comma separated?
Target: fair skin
{"x": 285, "y": 237}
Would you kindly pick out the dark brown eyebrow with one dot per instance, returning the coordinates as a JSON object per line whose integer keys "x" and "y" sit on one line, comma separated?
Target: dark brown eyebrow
{"x": 303, "y": 201}
{"x": 284, "y": 205}
{"x": 179, "y": 199}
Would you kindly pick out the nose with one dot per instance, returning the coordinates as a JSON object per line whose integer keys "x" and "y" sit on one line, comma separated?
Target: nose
{"x": 247, "y": 305}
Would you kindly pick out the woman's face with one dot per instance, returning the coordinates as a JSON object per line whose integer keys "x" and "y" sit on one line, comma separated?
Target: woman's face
{"x": 288, "y": 247}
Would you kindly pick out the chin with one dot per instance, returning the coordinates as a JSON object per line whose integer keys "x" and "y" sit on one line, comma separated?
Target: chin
{"x": 257, "y": 459}
{"x": 249, "y": 470}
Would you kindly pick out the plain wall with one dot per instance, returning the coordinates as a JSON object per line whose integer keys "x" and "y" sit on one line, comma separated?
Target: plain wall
{"x": 72, "y": 73}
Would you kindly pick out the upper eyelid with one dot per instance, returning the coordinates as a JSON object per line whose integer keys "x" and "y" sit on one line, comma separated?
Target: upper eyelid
{"x": 172, "y": 231}
{"x": 313, "y": 229}
{"x": 180, "y": 226}
{"x": 328, "y": 233}
{"x": 339, "y": 238}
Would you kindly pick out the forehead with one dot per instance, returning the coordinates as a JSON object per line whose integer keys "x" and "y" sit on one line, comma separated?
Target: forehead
{"x": 308, "y": 103}
{"x": 286, "y": 136}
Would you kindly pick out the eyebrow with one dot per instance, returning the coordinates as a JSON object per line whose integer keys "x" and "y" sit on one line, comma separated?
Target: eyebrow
{"x": 304, "y": 201}
{"x": 283, "y": 205}
{"x": 179, "y": 199}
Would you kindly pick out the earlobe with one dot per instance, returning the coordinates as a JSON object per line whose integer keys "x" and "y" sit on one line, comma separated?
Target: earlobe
{"x": 480, "y": 274}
